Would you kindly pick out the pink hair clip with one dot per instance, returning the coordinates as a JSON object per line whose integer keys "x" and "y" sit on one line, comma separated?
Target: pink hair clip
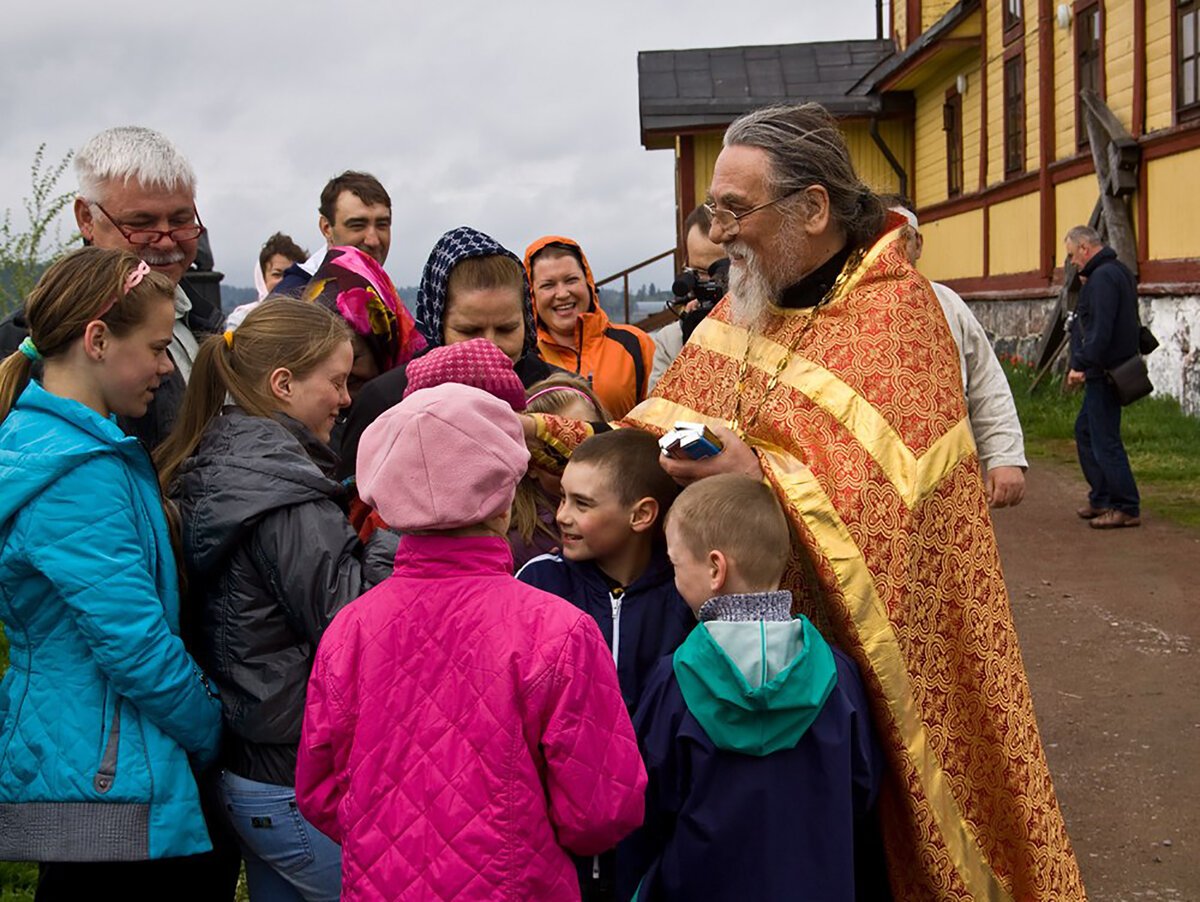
{"x": 134, "y": 279}
{"x": 131, "y": 282}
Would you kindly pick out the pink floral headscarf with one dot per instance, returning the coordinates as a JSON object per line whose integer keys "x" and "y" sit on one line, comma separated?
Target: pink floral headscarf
{"x": 353, "y": 285}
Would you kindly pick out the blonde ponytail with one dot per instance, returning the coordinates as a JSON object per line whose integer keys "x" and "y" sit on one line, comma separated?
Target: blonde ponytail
{"x": 14, "y": 374}
{"x": 279, "y": 332}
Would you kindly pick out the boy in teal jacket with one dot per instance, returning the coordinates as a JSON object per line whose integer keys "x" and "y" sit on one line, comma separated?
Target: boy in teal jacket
{"x": 763, "y": 770}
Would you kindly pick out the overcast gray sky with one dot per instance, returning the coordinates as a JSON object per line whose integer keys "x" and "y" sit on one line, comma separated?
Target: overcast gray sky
{"x": 517, "y": 118}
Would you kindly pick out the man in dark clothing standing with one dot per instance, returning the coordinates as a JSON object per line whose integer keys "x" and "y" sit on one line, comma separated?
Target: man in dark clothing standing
{"x": 1104, "y": 333}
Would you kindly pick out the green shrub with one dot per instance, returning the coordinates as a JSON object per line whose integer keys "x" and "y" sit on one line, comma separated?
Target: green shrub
{"x": 25, "y": 253}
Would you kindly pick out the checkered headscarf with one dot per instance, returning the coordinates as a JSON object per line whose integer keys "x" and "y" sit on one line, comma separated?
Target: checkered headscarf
{"x": 452, "y": 248}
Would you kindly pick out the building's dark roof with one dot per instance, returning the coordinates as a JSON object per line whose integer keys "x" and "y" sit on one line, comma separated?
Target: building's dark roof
{"x": 886, "y": 68}
{"x": 685, "y": 90}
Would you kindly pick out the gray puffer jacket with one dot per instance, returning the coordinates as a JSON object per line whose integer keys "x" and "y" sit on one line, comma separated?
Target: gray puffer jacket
{"x": 270, "y": 558}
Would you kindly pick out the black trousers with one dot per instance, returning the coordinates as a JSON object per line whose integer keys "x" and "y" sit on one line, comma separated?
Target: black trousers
{"x": 1101, "y": 452}
{"x": 195, "y": 877}
{"x": 209, "y": 877}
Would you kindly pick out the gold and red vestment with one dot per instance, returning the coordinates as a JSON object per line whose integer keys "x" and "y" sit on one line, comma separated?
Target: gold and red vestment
{"x": 866, "y": 440}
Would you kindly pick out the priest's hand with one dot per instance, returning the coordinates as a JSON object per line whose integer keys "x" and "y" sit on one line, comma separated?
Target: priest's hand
{"x": 735, "y": 457}
{"x": 1005, "y": 486}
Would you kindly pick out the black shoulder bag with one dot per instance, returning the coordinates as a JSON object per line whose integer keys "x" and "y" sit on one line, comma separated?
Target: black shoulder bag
{"x": 1130, "y": 379}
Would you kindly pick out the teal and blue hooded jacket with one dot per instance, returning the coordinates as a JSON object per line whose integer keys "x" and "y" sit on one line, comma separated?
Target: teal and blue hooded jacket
{"x": 763, "y": 768}
{"x": 102, "y": 711}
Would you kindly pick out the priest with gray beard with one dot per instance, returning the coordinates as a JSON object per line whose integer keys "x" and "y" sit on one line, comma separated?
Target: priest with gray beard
{"x": 830, "y": 372}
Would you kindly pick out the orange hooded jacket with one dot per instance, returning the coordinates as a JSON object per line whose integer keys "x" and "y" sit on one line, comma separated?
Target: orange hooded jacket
{"x": 615, "y": 359}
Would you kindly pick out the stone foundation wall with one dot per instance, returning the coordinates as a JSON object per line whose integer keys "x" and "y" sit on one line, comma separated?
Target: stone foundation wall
{"x": 1016, "y": 328}
{"x": 1175, "y": 365}
{"x": 1015, "y": 324}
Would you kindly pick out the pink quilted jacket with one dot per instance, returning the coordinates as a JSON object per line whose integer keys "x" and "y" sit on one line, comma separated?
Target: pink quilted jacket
{"x": 463, "y": 731}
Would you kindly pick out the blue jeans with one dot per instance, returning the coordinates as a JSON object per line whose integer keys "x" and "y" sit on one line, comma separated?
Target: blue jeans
{"x": 287, "y": 858}
{"x": 1101, "y": 452}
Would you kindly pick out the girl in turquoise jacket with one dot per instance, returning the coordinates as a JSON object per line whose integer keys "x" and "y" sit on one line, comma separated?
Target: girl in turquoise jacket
{"x": 103, "y": 714}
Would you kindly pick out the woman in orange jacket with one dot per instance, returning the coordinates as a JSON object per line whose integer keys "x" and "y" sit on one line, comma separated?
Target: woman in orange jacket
{"x": 574, "y": 332}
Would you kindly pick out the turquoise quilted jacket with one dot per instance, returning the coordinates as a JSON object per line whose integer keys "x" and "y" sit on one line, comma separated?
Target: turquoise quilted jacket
{"x": 102, "y": 712}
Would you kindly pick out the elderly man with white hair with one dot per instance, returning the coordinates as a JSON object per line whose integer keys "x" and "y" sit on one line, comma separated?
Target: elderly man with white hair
{"x": 829, "y": 371}
{"x": 1104, "y": 333}
{"x": 137, "y": 192}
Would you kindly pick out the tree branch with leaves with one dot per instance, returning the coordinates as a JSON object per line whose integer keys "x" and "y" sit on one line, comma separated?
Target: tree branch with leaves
{"x": 25, "y": 253}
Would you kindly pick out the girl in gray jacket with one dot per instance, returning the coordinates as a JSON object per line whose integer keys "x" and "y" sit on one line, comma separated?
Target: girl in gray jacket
{"x": 270, "y": 557}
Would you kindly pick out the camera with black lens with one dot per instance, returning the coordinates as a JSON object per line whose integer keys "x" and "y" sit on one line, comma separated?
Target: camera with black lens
{"x": 697, "y": 292}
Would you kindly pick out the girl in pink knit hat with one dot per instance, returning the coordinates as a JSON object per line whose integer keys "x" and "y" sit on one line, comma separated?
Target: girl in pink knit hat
{"x": 463, "y": 732}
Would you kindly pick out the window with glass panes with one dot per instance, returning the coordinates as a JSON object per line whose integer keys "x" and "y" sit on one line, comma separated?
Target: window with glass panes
{"x": 1012, "y": 14}
{"x": 1187, "y": 41}
{"x": 952, "y": 124}
{"x": 1089, "y": 47}
{"x": 1014, "y": 115}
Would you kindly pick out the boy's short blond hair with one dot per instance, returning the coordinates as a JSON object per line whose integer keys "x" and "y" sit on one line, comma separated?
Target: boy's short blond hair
{"x": 740, "y": 517}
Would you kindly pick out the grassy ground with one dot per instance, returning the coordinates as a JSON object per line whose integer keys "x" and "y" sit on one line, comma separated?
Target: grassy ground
{"x": 17, "y": 881}
{"x": 1163, "y": 443}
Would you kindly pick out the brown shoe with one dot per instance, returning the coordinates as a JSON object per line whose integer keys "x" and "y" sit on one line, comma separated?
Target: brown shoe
{"x": 1087, "y": 512}
{"x": 1114, "y": 520}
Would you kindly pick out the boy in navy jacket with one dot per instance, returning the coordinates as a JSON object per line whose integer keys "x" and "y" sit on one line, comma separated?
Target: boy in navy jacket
{"x": 756, "y": 735}
{"x": 614, "y": 566}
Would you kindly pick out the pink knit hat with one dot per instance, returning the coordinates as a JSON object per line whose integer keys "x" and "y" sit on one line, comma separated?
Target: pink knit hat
{"x": 444, "y": 457}
{"x": 477, "y": 362}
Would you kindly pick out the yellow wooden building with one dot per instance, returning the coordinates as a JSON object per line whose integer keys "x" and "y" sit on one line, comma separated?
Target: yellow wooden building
{"x": 973, "y": 111}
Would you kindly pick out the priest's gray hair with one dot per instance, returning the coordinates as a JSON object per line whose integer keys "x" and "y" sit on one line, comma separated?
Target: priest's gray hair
{"x": 131, "y": 152}
{"x": 806, "y": 147}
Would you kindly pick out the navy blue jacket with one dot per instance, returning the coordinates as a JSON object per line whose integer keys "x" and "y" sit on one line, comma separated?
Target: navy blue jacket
{"x": 1105, "y": 329}
{"x": 651, "y": 616}
{"x": 784, "y": 822}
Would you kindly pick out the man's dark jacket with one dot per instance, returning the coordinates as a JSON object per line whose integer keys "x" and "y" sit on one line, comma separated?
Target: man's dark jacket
{"x": 1104, "y": 332}
{"x": 270, "y": 558}
{"x": 295, "y": 279}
